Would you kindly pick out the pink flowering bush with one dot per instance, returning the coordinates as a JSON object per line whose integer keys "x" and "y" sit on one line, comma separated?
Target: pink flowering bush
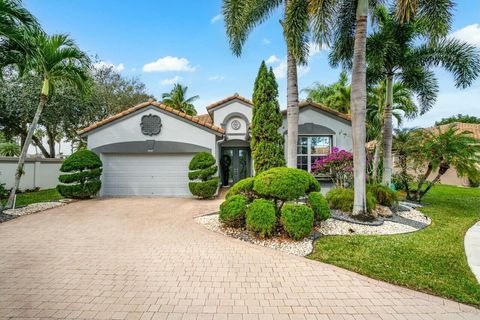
{"x": 339, "y": 165}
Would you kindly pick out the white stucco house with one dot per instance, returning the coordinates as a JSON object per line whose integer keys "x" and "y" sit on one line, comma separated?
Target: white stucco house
{"x": 146, "y": 149}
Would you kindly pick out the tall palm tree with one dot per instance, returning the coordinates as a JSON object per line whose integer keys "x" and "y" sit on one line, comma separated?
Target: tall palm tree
{"x": 398, "y": 51}
{"x": 54, "y": 58}
{"x": 177, "y": 99}
{"x": 301, "y": 18}
{"x": 335, "y": 95}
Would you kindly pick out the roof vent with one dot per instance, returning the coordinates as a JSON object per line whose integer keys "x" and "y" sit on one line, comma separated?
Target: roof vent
{"x": 236, "y": 94}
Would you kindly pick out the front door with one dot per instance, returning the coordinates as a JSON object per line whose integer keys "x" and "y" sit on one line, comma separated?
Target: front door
{"x": 239, "y": 164}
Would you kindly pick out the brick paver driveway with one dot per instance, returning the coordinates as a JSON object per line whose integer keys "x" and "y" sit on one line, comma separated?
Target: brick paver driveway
{"x": 143, "y": 258}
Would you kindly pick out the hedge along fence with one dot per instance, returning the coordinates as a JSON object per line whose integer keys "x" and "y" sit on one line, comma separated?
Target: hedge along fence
{"x": 82, "y": 179}
{"x": 203, "y": 180}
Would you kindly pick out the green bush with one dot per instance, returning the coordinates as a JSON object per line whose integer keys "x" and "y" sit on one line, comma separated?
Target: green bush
{"x": 384, "y": 195}
{"x": 244, "y": 187}
{"x": 82, "y": 180}
{"x": 297, "y": 220}
{"x": 3, "y": 191}
{"x": 342, "y": 199}
{"x": 203, "y": 168}
{"x": 284, "y": 184}
{"x": 232, "y": 211}
{"x": 319, "y": 205}
{"x": 261, "y": 218}
{"x": 204, "y": 189}
{"x": 474, "y": 180}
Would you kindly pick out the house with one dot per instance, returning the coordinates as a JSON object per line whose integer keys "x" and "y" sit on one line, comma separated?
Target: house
{"x": 146, "y": 149}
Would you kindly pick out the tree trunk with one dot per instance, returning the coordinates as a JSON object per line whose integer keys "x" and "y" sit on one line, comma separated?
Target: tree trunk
{"x": 422, "y": 181}
{"x": 38, "y": 143}
{"x": 51, "y": 143}
{"x": 292, "y": 110}
{"x": 376, "y": 158}
{"x": 358, "y": 107}
{"x": 388, "y": 134}
{"x": 23, "y": 155}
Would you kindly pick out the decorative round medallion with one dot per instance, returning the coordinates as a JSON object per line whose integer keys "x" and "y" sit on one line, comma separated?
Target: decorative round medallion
{"x": 151, "y": 125}
{"x": 236, "y": 125}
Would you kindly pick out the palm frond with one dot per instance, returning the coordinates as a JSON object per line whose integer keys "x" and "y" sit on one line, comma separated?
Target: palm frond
{"x": 295, "y": 29}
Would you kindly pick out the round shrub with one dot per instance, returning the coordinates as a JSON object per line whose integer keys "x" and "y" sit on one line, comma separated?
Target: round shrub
{"x": 284, "y": 184}
{"x": 384, "y": 195}
{"x": 261, "y": 218}
{"x": 243, "y": 187}
{"x": 203, "y": 182}
{"x": 319, "y": 205}
{"x": 342, "y": 199}
{"x": 232, "y": 211}
{"x": 82, "y": 180}
{"x": 297, "y": 220}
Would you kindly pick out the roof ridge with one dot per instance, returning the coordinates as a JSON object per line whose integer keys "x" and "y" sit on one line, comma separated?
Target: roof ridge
{"x": 227, "y": 99}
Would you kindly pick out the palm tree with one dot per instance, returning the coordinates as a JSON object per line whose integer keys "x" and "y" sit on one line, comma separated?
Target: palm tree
{"x": 54, "y": 58}
{"x": 403, "y": 106}
{"x": 396, "y": 51}
{"x": 335, "y": 95}
{"x": 177, "y": 99}
{"x": 9, "y": 149}
{"x": 300, "y": 19}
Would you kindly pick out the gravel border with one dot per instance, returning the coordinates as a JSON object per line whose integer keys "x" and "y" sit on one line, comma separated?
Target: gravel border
{"x": 33, "y": 208}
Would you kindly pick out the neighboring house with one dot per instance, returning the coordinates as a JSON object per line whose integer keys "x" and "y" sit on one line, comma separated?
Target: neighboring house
{"x": 146, "y": 149}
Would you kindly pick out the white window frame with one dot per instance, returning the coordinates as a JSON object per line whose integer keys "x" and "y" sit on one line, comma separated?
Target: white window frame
{"x": 309, "y": 144}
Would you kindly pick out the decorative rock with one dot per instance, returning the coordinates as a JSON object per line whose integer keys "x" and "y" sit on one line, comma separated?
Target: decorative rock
{"x": 383, "y": 211}
{"x": 33, "y": 208}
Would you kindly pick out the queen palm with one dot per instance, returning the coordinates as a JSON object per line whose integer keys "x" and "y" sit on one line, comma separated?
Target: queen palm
{"x": 301, "y": 18}
{"x": 54, "y": 58}
{"x": 396, "y": 52}
{"x": 177, "y": 99}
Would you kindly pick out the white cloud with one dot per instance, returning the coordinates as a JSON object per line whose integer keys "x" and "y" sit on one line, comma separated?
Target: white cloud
{"x": 168, "y": 63}
{"x": 107, "y": 64}
{"x": 266, "y": 41}
{"x": 216, "y": 78}
{"x": 470, "y": 34}
{"x": 170, "y": 81}
{"x": 280, "y": 70}
{"x": 216, "y": 18}
{"x": 272, "y": 59}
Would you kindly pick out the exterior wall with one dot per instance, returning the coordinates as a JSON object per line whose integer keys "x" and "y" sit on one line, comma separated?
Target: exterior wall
{"x": 39, "y": 172}
{"x": 221, "y": 113}
{"x": 173, "y": 130}
{"x": 342, "y": 128}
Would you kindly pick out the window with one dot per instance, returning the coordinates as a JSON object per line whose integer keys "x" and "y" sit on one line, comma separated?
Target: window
{"x": 311, "y": 148}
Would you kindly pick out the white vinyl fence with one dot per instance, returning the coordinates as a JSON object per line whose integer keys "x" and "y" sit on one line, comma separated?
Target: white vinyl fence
{"x": 39, "y": 172}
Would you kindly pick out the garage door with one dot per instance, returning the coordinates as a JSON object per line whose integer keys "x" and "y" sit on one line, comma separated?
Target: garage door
{"x": 146, "y": 175}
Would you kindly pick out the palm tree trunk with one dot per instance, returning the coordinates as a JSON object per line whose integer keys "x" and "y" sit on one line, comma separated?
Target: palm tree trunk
{"x": 51, "y": 143}
{"x": 376, "y": 158}
{"x": 23, "y": 155}
{"x": 388, "y": 134}
{"x": 358, "y": 106}
{"x": 292, "y": 110}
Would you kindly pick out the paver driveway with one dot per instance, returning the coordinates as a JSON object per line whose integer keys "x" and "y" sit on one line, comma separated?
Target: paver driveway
{"x": 145, "y": 258}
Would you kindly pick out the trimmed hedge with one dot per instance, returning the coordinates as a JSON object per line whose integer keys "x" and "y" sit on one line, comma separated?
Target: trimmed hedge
{"x": 201, "y": 160}
{"x": 297, "y": 220}
{"x": 384, "y": 195}
{"x": 232, "y": 211}
{"x": 202, "y": 174}
{"x": 203, "y": 169}
{"x": 342, "y": 199}
{"x": 82, "y": 180}
{"x": 243, "y": 187}
{"x": 204, "y": 189}
{"x": 261, "y": 218}
{"x": 317, "y": 202}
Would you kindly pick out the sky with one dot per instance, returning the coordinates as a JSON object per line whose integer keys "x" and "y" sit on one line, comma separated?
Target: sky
{"x": 162, "y": 42}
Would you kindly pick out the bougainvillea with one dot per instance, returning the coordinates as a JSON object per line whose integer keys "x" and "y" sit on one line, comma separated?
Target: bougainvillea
{"x": 339, "y": 165}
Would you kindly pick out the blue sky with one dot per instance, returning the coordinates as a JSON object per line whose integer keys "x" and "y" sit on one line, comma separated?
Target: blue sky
{"x": 163, "y": 41}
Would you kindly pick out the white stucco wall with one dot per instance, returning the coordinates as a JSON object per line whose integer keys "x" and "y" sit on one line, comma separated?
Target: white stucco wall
{"x": 39, "y": 172}
{"x": 222, "y": 112}
{"x": 173, "y": 129}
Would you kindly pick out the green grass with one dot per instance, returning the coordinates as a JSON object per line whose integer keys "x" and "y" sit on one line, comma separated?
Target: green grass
{"x": 431, "y": 260}
{"x": 27, "y": 198}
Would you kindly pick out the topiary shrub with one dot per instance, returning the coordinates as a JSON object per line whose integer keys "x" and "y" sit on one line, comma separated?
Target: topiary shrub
{"x": 243, "y": 187}
{"x": 82, "y": 180}
{"x": 384, "y": 195}
{"x": 297, "y": 220}
{"x": 342, "y": 199}
{"x": 203, "y": 183}
{"x": 261, "y": 218}
{"x": 317, "y": 202}
{"x": 232, "y": 211}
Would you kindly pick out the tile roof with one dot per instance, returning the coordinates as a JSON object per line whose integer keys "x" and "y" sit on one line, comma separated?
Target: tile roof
{"x": 474, "y": 128}
{"x": 228, "y": 99}
{"x": 201, "y": 120}
{"x": 205, "y": 118}
{"x": 320, "y": 106}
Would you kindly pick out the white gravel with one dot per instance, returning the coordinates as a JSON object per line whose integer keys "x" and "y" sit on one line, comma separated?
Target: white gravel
{"x": 416, "y": 215}
{"x": 336, "y": 227}
{"x": 33, "y": 208}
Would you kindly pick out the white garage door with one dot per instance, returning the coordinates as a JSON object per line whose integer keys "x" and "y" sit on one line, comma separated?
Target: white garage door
{"x": 146, "y": 175}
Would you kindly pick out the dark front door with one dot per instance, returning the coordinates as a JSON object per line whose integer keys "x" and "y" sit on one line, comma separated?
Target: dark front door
{"x": 239, "y": 167}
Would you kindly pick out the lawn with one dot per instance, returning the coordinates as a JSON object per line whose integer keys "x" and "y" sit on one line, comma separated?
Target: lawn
{"x": 432, "y": 260}
{"x": 27, "y": 198}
